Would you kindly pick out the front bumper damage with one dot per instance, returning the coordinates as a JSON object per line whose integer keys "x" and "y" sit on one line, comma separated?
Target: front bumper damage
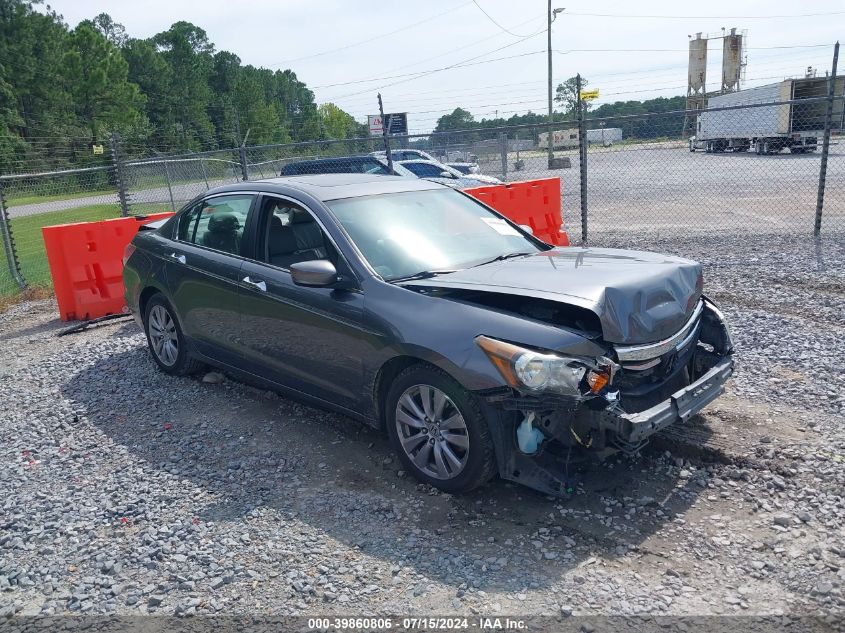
{"x": 601, "y": 424}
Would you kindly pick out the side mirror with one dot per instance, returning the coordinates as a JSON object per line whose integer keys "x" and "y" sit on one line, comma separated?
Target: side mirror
{"x": 527, "y": 229}
{"x": 446, "y": 174}
{"x": 317, "y": 273}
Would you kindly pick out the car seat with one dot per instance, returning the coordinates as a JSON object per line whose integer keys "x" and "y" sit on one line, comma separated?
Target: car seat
{"x": 222, "y": 233}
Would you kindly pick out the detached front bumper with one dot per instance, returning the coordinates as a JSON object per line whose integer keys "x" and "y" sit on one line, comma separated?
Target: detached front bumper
{"x": 679, "y": 407}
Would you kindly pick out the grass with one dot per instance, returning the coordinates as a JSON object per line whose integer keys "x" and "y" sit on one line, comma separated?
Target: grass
{"x": 16, "y": 201}
{"x": 29, "y": 243}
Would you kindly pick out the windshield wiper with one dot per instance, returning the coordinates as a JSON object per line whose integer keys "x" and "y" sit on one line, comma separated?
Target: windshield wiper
{"x": 423, "y": 274}
{"x": 501, "y": 258}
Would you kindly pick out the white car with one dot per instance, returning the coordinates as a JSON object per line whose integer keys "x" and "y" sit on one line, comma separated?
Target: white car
{"x": 444, "y": 174}
{"x": 400, "y": 155}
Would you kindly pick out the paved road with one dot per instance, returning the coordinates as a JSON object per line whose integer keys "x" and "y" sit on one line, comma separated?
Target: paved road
{"x": 155, "y": 195}
{"x": 672, "y": 189}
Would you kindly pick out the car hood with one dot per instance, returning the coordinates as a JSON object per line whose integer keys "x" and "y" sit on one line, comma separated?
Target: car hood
{"x": 638, "y": 297}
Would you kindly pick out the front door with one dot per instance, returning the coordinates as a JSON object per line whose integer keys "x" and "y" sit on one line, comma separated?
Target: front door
{"x": 203, "y": 273}
{"x": 308, "y": 339}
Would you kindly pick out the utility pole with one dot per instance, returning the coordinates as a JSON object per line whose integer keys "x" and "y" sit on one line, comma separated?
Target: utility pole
{"x": 385, "y": 125}
{"x": 551, "y": 17}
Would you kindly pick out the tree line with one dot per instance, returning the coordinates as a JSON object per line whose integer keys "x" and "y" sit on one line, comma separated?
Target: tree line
{"x": 565, "y": 115}
{"x": 63, "y": 92}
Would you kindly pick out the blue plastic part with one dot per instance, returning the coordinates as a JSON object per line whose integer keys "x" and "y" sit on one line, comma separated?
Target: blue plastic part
{"x": 528, "y": 438}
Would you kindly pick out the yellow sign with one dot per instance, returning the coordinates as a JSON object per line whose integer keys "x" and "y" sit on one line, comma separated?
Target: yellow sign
{"x": 589, "y": 95}
{"x": 98, "y": 149}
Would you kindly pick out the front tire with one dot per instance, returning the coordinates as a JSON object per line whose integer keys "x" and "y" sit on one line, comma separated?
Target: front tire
{"x": 166, "y": 340}
{"x": 439, "y": 431}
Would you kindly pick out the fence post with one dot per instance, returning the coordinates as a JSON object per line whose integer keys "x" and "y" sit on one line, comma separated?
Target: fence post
{"x": 582, "y": 155}
{"x": 9, "y": 242}
{"x": 119, "y": 174}
{"x": 831, "y": 90}
{"x": 242, "y": 156}
{"x": 503, "y": 138}
{"x": 204, "y": 174}
{"x": 169, "y": 186}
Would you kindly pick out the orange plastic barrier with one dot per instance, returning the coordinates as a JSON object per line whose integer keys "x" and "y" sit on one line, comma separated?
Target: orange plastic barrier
{"x": 86, "y": 264}
{"x": 535, "y": 203}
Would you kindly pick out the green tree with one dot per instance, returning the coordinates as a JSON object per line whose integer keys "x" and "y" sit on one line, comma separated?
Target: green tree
{"x": 566, "y": 94}
{"x": 188, "y": 53}
{"x": 337, "y": 123}
{"x": 111, "y": 30}
{"x": 96, "y": 77}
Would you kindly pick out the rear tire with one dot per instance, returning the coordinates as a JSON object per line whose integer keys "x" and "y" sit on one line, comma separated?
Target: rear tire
{"x": 438, "y": 430}
{"x": 166, "y": 341}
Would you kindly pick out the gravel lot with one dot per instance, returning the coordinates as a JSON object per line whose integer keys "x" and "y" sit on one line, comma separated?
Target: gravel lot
{"x": 131, "y": 492}
{"x": 659, "y": 188}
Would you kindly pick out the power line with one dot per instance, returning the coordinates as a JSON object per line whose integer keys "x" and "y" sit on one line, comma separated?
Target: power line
{"x": 377, "y": 37}
{"x": 704, "y": 17}
{"x": 490, "y": 17}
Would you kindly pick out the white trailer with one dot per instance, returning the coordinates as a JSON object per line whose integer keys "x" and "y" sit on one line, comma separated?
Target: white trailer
{"x": 768, "y": 128}
{"x": 561, "y": 139}
{"x": 606, "y": 136}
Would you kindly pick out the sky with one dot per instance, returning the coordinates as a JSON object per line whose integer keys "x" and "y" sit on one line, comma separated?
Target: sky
{"x": 347, "y": 51}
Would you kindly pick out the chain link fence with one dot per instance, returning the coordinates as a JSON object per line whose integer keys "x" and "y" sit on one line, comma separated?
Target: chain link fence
{"x": 763, "y": 169}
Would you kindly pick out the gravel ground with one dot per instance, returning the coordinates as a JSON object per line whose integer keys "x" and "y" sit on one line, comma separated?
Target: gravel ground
{"x": 131, "y": 492}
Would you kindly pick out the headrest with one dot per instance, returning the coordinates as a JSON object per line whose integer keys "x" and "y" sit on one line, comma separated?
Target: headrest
{"x": 281, "y": 239}
{"x": 301, "y": 217}
{"x": 223, "y": 223}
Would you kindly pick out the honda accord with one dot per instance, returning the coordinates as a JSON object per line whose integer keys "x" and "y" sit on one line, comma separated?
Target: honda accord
{"x": 415, "y": 308}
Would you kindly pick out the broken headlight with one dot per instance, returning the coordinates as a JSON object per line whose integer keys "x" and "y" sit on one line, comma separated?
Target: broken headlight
{"x": 527, "y": 369}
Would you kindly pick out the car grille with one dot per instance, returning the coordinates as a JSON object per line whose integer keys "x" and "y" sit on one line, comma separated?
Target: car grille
{"x": 651, "y": 373}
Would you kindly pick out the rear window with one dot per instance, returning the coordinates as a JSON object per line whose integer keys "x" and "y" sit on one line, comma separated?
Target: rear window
{"x": 339, "y": 166}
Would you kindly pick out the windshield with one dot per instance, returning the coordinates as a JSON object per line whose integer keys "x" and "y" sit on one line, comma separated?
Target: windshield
{"x": 402, "y": 234}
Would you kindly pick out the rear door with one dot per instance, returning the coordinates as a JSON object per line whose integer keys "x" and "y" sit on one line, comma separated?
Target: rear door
{"x": 308, "y": 339}
{"x": 203, "y": 273}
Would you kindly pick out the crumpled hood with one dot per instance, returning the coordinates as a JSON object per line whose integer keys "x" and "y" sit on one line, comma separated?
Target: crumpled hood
{"x": 638, "y": 297}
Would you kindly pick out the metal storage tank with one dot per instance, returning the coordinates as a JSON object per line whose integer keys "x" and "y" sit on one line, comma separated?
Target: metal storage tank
{"x": 697, "y": 65}
{"x": 731, "y": 61}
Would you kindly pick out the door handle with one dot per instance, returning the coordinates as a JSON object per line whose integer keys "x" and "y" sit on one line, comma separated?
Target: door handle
{"x": 258, "y": 285}
{"x": 179, "y": 258}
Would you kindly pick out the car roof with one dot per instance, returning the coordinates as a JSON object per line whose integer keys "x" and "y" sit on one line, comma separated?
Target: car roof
{"x": 335, "y": 159}
{"x": 326, "y": 187}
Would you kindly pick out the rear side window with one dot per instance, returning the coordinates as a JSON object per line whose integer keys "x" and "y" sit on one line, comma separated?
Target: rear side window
{"x": 424, "y": 170}
{"x": 217, "y": 223}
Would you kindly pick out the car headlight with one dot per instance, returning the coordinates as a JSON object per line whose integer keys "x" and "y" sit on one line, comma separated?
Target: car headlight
{"x": 528, "y": 369}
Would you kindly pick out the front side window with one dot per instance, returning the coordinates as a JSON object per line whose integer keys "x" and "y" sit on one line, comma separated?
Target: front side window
{"x": 292, "y": 235}
{"x": 402, "y": 234}
{"x": 217, "y": 223}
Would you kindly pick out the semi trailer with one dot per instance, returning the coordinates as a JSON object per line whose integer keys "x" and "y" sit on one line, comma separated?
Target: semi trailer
{"x": 561, "y": 139}
{"x": 768, "y": 129}
{"x": 606, "y": 136}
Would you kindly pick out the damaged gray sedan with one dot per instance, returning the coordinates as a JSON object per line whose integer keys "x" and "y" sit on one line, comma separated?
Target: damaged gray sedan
{"x": 479, "y": 349}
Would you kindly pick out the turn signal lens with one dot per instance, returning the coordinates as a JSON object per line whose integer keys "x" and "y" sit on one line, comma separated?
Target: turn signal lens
{"x": 597, "y": 381}
{"x": 502, "y": 355}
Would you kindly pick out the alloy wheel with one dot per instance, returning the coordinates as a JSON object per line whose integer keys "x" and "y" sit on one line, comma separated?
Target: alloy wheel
{"x": 163, "y": 336}
{"x": 432, "y": 431}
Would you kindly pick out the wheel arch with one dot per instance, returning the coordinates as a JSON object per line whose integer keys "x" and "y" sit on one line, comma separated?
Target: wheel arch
{"x": 145, "y": 296}
{"x": 388, "y": 372}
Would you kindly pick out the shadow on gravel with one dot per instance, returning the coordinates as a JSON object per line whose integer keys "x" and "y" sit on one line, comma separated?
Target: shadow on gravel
{"x": 224, "y": 450}
{"x": 54, "y": 325}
